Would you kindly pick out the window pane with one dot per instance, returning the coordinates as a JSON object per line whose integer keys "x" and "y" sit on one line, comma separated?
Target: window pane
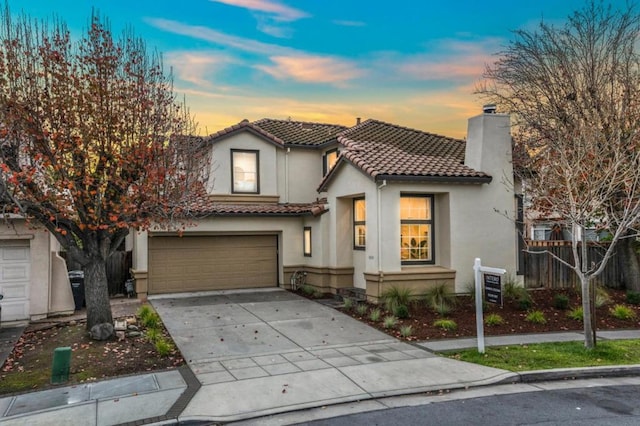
{"x": 415, "y": 208}
{"x": 360, "y": 235}
{"x": 307, "y": 242}
{"x": 359, "y": 211}
{"x": 245, "y": 172}
{"x": 415, "y": 242}
{"x": 331, "y": 158}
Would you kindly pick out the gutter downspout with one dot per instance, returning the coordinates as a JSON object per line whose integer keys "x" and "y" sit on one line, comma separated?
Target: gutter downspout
{"x": 286, "y": 175}
{"x": 384, "y": 183}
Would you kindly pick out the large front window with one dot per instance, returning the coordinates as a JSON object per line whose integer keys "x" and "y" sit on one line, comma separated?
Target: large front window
{"x": 359, "y": 224}
{"x": 416, "y": 229}
{"x": 245, "y": 172}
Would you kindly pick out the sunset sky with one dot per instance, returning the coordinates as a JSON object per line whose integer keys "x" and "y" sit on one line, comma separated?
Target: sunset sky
{"x": 410, "y": 62}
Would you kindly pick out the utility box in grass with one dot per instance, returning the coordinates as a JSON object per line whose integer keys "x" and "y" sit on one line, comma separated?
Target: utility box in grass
{"x": 61, "y": 365}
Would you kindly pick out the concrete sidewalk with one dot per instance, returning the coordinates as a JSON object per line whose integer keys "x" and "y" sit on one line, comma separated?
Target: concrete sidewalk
{"x": 252, "y": 354}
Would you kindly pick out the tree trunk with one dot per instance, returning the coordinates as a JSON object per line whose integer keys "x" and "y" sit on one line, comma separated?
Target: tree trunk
{"x": 97, "y": 293}
{"x": 589, "y": 335}
{"x": 630, "y": 263}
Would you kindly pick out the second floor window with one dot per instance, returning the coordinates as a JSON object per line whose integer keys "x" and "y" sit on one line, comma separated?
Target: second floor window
{"x": 244, "y": 166}
{"x": 330, "y": 159}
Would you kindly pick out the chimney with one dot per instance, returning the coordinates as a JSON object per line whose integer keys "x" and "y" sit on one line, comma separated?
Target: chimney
{"x": 489, "y": 108}
{"x": 488, "y": 147}
{"x": 357, "y": 120}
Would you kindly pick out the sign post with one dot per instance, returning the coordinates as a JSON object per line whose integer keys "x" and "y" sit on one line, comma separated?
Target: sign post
{"x": 495, "y": 272}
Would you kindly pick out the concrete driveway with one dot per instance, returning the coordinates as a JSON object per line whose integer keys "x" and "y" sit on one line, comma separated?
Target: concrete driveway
{"x": 265, "y": 352}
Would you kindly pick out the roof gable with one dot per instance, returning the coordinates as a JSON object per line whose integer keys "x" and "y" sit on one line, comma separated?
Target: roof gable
{"x": 245, "y": 126}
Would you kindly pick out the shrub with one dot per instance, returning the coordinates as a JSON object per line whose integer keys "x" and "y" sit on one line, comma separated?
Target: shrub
{"x": 536, "y": 317}
{"x": 525, "y": 303}
{"x": 153, "y": 334}
{"x": 151, "y": 321}
{"x": 622, "y": 312}
{"x": 445, "y": 324}
{"x": 576, "y": 314}
{"x": 389, "y": 321}
{"x": 406, "y": 330}
{"x": 401, "y": 311}
{"x": 375, "y": 314}
{"x": 396, "y": 296}
{"x": 602, "y": 297}
{"x": 308, "y": 290}
{"x": 493, "y": 319}
{"x": 361, "y": 309}
{"x": 440, "y": 299}
{"x": 633, "y": 297}
{"x": 561, "y": 301}
{"x": 163, "y": 347}
{"x": 144, "y": 311}
{"x": 347, "y": 303}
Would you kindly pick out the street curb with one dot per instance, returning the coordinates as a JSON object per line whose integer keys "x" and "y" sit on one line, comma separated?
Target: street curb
{"x": 579, "y": 373}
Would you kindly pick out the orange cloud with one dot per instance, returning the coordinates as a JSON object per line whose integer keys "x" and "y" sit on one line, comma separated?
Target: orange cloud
{"x": 312, "y": 69}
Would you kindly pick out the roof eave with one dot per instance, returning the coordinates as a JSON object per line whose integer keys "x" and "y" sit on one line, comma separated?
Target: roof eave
{"x": 435, "y": 179}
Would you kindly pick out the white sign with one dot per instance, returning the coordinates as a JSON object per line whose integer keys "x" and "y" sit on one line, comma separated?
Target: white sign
{"x": 479, "y": 270}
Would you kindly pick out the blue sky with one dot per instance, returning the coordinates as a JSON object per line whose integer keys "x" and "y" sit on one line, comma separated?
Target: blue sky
{"x": 410, "y": 62}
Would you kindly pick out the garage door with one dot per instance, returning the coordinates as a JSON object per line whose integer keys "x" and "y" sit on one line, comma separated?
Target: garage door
{"x": 15, "y": 268}
{"x": 199, "y": 263}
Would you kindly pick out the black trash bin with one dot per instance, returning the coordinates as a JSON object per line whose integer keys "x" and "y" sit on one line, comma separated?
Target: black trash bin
{"x": 77, "y": 287}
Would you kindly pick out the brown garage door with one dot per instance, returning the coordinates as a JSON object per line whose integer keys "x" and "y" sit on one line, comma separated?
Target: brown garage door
{"x": 197, "y": 263}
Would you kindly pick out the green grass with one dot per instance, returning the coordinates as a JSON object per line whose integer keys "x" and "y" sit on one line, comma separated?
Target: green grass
{"x": 406, "y": 331}
{"x": 361, "y": 309}
{"x": 375, "y": 314}
{"x": 544, "y": 356}
{"x": 389, "y": 321}
{"x": 576, "y": 314}
{"x": 347, "y": 303}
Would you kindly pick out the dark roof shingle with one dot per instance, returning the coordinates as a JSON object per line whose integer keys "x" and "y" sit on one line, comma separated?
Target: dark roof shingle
{"x": 300, "y": 132}
{"x": 204, "y": 207}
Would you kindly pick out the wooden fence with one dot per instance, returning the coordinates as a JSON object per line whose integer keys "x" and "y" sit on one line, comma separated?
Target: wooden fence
{"x": 118, "y": 266}
{"x": 542, "y": 270}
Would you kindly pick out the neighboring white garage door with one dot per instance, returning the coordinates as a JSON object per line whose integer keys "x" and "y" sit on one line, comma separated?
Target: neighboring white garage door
{"x": 199, "y": 263}
{"x": 15, "y": 269}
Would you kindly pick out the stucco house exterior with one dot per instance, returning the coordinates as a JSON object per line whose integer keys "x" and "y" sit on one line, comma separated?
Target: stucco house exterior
{"x": 369, "y": 206}
{"x": 33, "y": 277}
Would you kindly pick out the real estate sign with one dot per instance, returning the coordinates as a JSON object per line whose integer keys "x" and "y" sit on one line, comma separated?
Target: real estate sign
{"x": 493, "y": 288}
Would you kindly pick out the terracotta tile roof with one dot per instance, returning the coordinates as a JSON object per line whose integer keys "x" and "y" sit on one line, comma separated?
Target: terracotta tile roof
{"x": 300, "y": 133}
{"x": 205, "y": 207}
{"x": 245, "y": 125}
{"x": 383, "y": 150}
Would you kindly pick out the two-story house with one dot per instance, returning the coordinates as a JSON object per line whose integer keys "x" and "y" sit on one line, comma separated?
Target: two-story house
{"x": 369, "y": 206}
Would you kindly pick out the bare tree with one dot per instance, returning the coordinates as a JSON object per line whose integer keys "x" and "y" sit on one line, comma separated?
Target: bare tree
{"x": 574, "y": 94}
{"x": 91, "y": 141}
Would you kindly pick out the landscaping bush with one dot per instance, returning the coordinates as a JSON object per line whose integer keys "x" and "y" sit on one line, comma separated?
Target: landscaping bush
{"x": 163, "y": 347}
{"x": 561, "y": 302}
{"x": 362, "y": 309}
{"x": 347, "y": 303}
{"x": 144, "y": 311}
{"x": 576, "y": 314}
{"x": 375, "y": 314}
{"x": 151, "y": 321}
{"x": 406, "y": 331}
{"x": 390, "y": 321}
{"x": 445, "y": 324}
{"x": 396, "y": 296}
{"x": 440, "y": 299}
{"x": 602, "y": 297}
{"x": 493, "y": 319}
{"x": 633, "y": 297}
{"x": 622, "y": 312}
{"x": 401, "y": 311}
{"x": 536, "y": 317}
{"x": 524, "y": 303}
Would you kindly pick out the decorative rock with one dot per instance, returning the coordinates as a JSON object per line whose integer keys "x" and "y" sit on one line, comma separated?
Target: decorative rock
{"x": 134, "y": 334}
{"x": 132, "y": 327}
{"x": 120, "y": 335}
{"x": 120, "y": 325}
{"x": 131, "y": 320}
{"x": 102, "y": 331}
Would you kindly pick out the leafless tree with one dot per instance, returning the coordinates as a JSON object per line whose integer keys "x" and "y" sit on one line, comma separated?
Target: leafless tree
{"x": 574, "y": 94}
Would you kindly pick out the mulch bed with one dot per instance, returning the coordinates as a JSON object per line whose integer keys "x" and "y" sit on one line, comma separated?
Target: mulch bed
{"x": 422, "y": 318}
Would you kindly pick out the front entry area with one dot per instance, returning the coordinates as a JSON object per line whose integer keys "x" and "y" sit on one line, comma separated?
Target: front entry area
{"x": 204, "y": 263}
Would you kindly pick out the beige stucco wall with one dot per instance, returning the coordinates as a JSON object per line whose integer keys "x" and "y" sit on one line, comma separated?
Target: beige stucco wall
{"x": 305, "y": 174}
{"x": 220, "y": 172}
{"x": 48, "y": 291}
